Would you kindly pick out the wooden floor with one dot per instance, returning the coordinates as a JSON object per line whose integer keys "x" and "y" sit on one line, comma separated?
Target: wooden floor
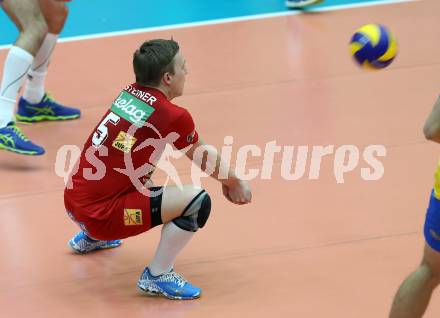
{"x": 305, "y": 248}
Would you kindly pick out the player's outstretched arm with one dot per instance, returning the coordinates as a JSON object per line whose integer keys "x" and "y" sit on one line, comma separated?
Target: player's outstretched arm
{"x": 234, "y": 189}
{"x": 432, "y": 124}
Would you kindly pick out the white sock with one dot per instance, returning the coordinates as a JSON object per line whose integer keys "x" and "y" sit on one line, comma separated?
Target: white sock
{"x": 35, "y": 88}
{"x": 173, "y": 239}
{"x": 17, "y": 64}
{"x": 6, "y": 111}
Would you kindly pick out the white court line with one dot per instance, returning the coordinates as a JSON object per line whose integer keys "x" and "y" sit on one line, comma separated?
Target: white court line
{"x": 220, "y": 21}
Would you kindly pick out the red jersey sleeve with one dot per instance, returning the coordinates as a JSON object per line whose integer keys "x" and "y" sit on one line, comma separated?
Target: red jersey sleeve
{"x": 185, "y": 127}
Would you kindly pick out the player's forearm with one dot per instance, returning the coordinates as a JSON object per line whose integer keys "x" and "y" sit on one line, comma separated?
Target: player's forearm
{"x": 228, "y": 178}
{"x": 207, "y": 158}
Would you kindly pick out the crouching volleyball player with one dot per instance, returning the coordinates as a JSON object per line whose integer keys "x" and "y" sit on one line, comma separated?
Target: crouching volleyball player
{"x": 110, "y": 207}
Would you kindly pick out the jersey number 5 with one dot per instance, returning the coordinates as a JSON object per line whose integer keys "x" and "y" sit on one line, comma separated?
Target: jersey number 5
{"x": 101, "y": 132}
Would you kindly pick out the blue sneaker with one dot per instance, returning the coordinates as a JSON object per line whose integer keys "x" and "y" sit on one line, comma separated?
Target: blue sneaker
{"x": 171, "y": 285}
{"x": 299, "y": 4}
{"x": 13, "y": 139}
{"x": 83, "y": 244}
{"x": 47, "y": 109}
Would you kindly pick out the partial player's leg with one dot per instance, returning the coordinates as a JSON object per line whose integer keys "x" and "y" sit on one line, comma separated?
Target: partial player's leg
{"x": 414, "y": 294}
{"x": 29, "y": 20}
{"x": 184, "y": 211}
{"x": 36, "y": 105}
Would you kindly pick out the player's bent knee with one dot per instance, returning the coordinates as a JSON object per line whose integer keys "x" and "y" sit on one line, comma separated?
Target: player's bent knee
{"x": 36, "y": 30}
{"x": 196, "y": 213}
{"x": 430, "y": 272}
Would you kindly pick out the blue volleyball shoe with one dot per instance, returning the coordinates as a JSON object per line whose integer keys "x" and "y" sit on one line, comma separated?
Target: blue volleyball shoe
{"x": 47, "y": 109}
{"x": 299, "y": 4}
{"x": 13, "y": 139}
{"x": 82, "y": 244}
{"x": 171, "y": 285}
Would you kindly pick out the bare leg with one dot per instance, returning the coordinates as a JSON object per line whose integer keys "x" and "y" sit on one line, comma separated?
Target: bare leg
{"x": 55, "y": 14}
{"x": 414, "y": 294}
{"x": 29, "y": 19}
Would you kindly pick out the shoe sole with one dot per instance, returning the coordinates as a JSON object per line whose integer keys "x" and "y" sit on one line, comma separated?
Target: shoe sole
{"x": 158, "y": 293}
{"x": 34, "y": 119}
{"x": 21, "y": 152}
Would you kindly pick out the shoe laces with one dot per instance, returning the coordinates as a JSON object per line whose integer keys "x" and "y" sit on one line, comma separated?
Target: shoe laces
{"x": 174, "y": 278}
{"x": 49, "y": 97}
{"x": 18, "y": 132}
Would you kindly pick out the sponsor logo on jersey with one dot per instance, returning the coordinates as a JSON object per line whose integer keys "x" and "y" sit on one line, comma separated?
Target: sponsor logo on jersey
{"x": 132, "y": 217}
{"x": 132, "y": 109}
{"x": 124, "y": 142}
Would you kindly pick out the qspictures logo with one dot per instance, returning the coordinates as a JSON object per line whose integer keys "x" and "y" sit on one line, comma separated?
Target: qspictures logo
{"x": 292, "y": 162}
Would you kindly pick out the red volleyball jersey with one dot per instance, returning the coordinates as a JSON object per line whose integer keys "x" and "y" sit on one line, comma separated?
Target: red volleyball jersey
{"x": 132, "y": 133}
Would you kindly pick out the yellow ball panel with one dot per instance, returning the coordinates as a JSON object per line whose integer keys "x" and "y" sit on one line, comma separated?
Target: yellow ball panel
{"x": 392, "y": 49}
{"x": 372, "y": 31}
{"x": 354, "y": 47}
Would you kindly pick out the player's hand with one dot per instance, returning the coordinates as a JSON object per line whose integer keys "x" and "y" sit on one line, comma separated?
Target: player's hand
{"x": 238, "y": 192}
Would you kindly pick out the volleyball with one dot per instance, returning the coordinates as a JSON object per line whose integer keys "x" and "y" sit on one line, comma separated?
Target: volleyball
{"x": 373, "y": 46}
